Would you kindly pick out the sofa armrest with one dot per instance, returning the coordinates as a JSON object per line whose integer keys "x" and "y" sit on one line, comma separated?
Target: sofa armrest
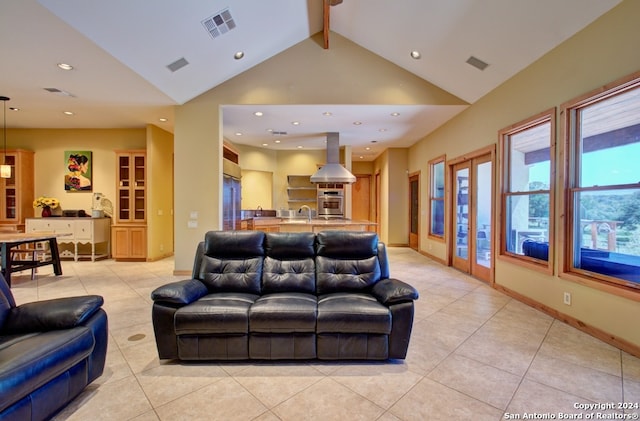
{"x": 393, "y": 291}
{"x": 181, "y": 292}
{"x": 55, "y": 314}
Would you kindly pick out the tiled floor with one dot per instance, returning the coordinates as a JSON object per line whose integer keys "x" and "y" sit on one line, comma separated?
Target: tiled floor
{"x": 475, "y": 354}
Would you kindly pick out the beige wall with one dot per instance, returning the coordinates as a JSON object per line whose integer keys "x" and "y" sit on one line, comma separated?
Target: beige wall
{"x": 160, "y": 193}
{"x": 50, "y": 166}
{"x": 49, "y": 146}
{"x": 602, "y": 53}
{"x": 344, "y": 74}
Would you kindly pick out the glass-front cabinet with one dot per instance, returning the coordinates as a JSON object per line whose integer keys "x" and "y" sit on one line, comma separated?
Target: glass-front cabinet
{"x": 131, "y": 186}
{"x": 129, "y": 233}
{"x": 17, "y": 191}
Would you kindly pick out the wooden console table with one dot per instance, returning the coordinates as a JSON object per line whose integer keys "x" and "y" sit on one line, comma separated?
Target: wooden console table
{"x": 79, "y": 231}
{"x": 10, "y": 241}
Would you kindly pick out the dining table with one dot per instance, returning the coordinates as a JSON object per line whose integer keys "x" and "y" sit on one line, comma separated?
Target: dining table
{"x": 10, "y": 243}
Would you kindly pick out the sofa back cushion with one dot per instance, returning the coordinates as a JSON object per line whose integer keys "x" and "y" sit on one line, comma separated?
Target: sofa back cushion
{"x": 232, "y": 261}
{"x": 6, "y": 300}
{"x": 289, "y": 265}
{"x": 346, "y": 261}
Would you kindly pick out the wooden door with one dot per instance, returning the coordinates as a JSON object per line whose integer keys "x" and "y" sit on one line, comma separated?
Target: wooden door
{"x": 361, "y": 198}
{"x": 414, "y": 211}
{"x": 472, "y": 216}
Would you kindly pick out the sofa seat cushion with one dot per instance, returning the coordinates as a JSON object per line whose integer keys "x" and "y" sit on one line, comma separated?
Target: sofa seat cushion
{"x": 225, "y": 312}
{"x": 284, "y": 313}
{"x": 28, "y": 361}
{"x": 352, "y": 313}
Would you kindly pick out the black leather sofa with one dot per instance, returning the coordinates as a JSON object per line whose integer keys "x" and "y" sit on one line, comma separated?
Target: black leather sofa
{"x": 49, "y": 351}
{"x": 270, "y": 296}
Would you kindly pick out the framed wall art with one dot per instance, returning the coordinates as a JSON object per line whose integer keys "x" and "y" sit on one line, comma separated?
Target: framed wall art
{"x": 78, "y": 171}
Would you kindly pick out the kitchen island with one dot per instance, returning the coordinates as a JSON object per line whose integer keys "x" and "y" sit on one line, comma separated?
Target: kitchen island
{"x": 275, "y": 224}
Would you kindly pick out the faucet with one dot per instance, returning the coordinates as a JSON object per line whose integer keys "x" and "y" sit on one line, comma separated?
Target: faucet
{"x": 308, "y": 209}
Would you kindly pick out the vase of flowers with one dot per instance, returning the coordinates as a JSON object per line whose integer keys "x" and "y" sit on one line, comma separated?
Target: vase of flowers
{"x": 47, "y": 204}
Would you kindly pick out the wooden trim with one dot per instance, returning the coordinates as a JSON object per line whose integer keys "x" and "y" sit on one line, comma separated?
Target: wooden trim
{"x": 434, "y": 258}
{"x": 490, "y": 149}
{"x": 613, "y": 340}
{"x": 567, "y": 179}
{"x": 415, "y": 176}
{"x": 548, "y": 115}
{"x": 182, "y": 273}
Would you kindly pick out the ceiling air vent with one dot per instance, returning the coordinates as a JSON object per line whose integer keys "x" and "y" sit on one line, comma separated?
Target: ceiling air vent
{"x": 219, "y": 24}
{"x": 477, "y": 63}
{"x": 275, "y": 133}
{"x": 178, "y": 64}
{"x": 59, "y": 92}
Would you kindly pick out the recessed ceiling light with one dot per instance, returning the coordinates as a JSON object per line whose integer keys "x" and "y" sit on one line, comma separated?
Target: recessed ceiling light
{"x": 357, "y": 123}
{"x": 295, "y": 123}
{"x": 65, "y": 66}
{"x": 327, "y": 113}
{"x": 238, "y": 133}
{"x": 238, "y": 55}
{"x": 265, "y": 144}
{"x": 394, "y": 114}
{"x": 361, "y": 157}
{"x": 277, "y": 141}
{"x": 416, "y": 55}
{"x": 14, "y": 109}
{"x": 258, "y": 114}
{"x": 382, "y": 130}
{"x": 367, "y": 148}
{"x": 299, "y": 146}
{"x": 164, "y": 120}
{"x": 269, "y": 130}
{"x": 68, "y": 112}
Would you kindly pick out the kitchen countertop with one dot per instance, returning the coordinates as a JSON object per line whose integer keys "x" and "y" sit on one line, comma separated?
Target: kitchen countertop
{"x": 314, "y": 221}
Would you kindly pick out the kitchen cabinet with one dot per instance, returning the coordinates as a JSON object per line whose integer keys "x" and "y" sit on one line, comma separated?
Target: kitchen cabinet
{"x": 129, "y": 232}
{"x": 301, "y": 191}
{"x": 17, "y": 192}
{"x": 129, "y": 242}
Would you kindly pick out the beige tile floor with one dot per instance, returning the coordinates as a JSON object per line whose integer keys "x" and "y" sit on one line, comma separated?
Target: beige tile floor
{"x": 475, "y": 354}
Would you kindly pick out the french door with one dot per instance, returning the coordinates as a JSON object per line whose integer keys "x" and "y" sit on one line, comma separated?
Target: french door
{"x": 472, "y": 216}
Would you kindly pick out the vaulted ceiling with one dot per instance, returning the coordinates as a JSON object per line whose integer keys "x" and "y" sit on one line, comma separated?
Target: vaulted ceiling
{"x": 135, "y": 60}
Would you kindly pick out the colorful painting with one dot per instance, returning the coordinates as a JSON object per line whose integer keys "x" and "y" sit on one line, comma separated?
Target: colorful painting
{"x": 79, "y": 171}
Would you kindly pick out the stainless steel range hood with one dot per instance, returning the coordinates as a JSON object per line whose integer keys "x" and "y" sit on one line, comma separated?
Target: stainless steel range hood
{"x": 332, "y": 171}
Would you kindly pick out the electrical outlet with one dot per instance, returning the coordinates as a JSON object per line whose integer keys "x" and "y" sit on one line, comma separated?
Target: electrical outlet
{"x": 567, "y": 298}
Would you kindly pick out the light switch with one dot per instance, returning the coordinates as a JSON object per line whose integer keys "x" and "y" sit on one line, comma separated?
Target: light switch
{"x": 193, "y": 215}
{"x": 192, "y": 224}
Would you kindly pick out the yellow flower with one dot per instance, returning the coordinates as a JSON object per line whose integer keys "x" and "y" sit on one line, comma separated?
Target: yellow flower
{"x": 46, "y": 202}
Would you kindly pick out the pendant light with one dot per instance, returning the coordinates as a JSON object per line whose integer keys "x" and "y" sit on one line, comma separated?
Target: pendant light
{"x": 5, "y": 170}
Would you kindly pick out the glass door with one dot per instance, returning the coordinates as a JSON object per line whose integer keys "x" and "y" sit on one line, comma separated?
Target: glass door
{"x": 472, "y": 216}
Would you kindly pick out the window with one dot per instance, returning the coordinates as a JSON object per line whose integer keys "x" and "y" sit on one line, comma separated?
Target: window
{"x": 527, "y": 150}
{"x": 603, "y": 184}
{"x": 436, "y": 197}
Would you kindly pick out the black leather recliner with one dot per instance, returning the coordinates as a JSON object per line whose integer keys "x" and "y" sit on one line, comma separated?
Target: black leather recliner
{"x": 285, "y": 296}
{"x": 49, "y": 351}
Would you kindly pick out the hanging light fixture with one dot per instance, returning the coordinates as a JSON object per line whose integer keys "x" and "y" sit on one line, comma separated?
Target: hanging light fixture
{"x": 5, "y": 170}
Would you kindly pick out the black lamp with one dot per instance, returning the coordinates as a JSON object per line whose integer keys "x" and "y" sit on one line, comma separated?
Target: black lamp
{"x": 5, "y": 170}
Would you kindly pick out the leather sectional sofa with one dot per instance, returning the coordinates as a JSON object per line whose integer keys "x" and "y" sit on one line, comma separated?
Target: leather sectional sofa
{"x": 49, "y": 351}
{"x": 257, "y": 295}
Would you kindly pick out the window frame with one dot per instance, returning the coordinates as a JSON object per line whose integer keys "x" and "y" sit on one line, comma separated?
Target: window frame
{"x": 442, "y": 159}
{"x": 504, "y": 137}
{"x": 569, "y": 185}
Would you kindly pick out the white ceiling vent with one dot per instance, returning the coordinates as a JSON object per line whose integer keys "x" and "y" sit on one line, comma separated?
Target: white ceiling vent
{"x": 477, "y": 63}
{"x": 178, "y": 64}
{"x": 59, "y": 92}
{"x": 275, "y": 133}
{"x": 219, "y": 24}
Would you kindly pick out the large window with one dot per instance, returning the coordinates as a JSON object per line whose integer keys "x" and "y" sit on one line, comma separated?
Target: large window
{"x": 436, "y": 197}
{"x": 527, "y": 150}
{"x": 603, "y": 184}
